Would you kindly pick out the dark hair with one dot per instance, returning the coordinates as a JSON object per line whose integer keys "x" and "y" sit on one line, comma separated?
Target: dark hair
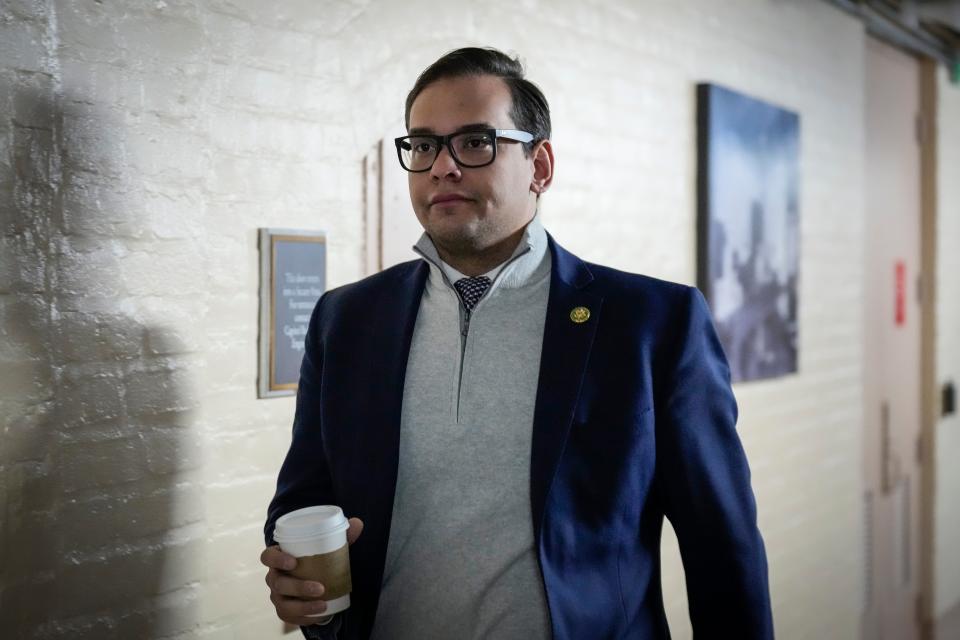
{"x": 530, "y": 111}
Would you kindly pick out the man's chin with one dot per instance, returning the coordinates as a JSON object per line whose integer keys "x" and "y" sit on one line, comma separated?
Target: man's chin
{"x": 445, "y": 210}
{"x": 459, "y": 240}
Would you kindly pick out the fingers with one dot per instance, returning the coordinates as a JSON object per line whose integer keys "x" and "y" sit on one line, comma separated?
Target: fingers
{"x": 356, "y": 528}
{"x": 294, "y": 599}
{"x": 286, "y": 585}
{"x": 297, "y": 601}
{"x": 296, "y": 611}
{"x": 274, "y": 558}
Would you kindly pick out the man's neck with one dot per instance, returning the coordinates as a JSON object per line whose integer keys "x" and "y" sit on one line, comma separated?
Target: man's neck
{"x": 477, "y": 263}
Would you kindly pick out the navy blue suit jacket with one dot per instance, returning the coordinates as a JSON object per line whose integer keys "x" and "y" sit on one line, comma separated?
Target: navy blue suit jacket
{"x": 634, "y": 420}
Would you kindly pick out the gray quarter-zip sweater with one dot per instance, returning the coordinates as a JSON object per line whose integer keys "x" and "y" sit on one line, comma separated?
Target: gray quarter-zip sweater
{"x": 461, "y": 561}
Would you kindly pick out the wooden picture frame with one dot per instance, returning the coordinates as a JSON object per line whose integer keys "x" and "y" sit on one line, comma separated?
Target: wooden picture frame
{"x": 292, "y": 279}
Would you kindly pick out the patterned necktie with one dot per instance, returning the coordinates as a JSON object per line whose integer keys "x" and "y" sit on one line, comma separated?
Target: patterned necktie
{"x": 471, "y": 290}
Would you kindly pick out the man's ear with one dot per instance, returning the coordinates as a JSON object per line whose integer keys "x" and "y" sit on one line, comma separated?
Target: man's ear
{"x": 542, "y": 167}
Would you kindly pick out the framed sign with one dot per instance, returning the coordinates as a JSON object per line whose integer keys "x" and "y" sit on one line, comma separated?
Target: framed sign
{"x": 293, "y": 273}
{"x": 749, "y": 229}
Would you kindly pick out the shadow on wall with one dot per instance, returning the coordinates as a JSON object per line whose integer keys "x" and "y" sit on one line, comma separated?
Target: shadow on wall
{"x": 99, "y": 510}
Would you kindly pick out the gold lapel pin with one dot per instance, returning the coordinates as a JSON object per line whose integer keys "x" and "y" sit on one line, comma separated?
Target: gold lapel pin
{"x": 580, "y": 314}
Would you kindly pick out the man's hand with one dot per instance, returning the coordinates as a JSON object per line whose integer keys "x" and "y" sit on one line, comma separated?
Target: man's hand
{"x": 293, "y": 598}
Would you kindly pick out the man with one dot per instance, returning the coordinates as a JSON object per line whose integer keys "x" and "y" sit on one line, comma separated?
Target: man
{"x": 509, "y": 424}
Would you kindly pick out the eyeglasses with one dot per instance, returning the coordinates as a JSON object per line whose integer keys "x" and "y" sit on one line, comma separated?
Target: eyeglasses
{"x": 469, "y": 149}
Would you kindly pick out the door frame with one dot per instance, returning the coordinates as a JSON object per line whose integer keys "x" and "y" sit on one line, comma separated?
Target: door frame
{"x": 926, "y": 131}
{"x": 929, "y": 399}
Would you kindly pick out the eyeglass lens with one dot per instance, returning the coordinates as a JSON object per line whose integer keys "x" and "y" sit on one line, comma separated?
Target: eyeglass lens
{"x": 470, "y": 149}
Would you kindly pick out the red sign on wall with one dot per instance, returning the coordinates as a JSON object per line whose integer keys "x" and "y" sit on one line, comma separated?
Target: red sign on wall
{"x": 900, "y": 296}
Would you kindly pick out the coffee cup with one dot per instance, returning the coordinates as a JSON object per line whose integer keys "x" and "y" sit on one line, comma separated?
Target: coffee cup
{"x": 317, "y": 537}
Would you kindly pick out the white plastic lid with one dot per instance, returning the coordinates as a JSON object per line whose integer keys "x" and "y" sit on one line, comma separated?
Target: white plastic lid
{"x": 310, "y": 522}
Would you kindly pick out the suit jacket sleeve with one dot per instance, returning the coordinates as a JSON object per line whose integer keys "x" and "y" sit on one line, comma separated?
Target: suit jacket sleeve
{"x": 304, "y": 478}
{"x": 704, "y": 482}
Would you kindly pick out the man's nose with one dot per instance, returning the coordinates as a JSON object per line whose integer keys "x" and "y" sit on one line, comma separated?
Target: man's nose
{"x": 444, "y": 166}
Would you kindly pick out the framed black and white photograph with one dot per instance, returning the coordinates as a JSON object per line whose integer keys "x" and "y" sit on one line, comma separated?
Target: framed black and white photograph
{"x": 293, "y": 275}
{"x": 749, "y": 228}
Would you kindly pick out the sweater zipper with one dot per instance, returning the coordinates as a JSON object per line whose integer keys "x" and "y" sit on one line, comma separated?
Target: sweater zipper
{"x": 464, "y": 330}
{"x": 465, "y": 325}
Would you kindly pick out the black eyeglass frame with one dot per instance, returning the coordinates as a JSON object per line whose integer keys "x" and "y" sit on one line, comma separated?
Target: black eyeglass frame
{"x": 513, "y": 135}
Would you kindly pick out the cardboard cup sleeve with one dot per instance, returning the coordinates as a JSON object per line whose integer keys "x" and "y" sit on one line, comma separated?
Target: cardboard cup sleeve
{"x": 330, "y": 569}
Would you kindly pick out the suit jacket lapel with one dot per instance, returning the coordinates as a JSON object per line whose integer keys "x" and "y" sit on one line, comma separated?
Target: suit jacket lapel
{"x": 390, "y": 339}
{"x": 566, "y": 349}
{"x": 391, "y": 334}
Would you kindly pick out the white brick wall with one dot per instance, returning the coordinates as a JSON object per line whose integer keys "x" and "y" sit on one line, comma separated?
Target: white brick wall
{"x": 947, "y": 507}
{"x": 142, "y": 145}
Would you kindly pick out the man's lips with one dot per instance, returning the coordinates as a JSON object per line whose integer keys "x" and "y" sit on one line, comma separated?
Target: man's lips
{"x": 448, "y": 198}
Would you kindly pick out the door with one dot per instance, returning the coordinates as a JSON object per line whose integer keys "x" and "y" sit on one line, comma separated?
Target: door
{"x": 892, "y": 345}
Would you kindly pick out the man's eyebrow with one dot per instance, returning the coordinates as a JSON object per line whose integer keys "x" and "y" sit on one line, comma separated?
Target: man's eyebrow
{"x": 473, "y": 126}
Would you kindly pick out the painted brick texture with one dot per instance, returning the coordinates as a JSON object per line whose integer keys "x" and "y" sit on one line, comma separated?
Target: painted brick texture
{"x": 143, "y": 144}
